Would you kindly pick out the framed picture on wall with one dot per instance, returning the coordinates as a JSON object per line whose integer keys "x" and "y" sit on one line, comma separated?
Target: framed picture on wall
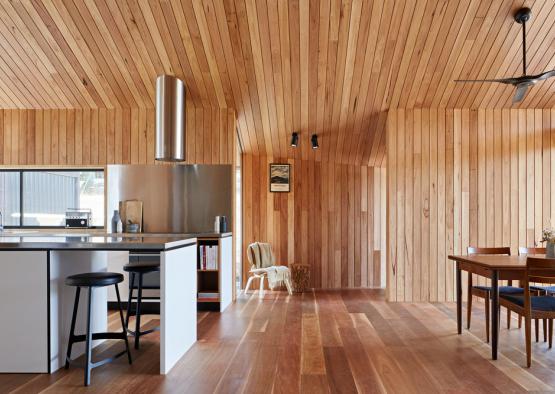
{"x": 280, "y": 178}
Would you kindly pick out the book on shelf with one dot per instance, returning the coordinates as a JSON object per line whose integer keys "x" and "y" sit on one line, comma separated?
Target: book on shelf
{"x": 203, "y": 295}
{"x": 208, "y": 257}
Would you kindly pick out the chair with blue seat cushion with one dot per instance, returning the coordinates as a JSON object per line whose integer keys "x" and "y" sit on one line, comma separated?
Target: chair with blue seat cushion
{"x": 503, "y": 289}
{"x": 533, "y": 251}
{"x": 530, "y": 251}
{"x": 486, "y": 291}
{"x": 538, "y": 290}
{"x": 538, "y": 270}
{"x": 540, "y": 303}
{"x": 549, "y": 290}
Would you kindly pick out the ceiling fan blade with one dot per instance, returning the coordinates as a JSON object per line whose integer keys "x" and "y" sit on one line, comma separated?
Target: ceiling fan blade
{"x": 507, "y": 81}
{"x": 544, "y": 75}
{"x": 520, "y": 93}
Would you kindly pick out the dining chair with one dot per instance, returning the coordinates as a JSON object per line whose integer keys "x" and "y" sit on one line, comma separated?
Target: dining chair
{"x": 538, "y": 290}
{"x": 538, "y": 270}
{"x": 485, "y": 291}
{"x": 523, "y": 251}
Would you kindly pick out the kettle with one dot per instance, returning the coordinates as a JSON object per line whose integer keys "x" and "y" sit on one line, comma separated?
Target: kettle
{"x": 220, "y": 224}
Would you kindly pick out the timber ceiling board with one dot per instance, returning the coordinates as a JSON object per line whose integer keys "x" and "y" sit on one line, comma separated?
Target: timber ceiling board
{"x": 331, "y": 67}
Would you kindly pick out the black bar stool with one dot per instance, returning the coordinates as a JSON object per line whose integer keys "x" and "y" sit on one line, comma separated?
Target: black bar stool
{"x": 91, "y": 280}
{"x": 138, "y": 269}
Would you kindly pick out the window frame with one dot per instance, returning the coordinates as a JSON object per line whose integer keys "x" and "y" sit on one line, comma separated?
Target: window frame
{"x": 21, "y": 171}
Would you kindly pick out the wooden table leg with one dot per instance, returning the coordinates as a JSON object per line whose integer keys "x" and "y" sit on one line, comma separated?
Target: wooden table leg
{"x": 459, "y": 299}
{"x": 494, "y": 313}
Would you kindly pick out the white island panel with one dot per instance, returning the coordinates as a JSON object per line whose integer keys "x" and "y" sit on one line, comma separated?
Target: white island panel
{"x": 226, "y": 272}
{"x": 178, "y": 306}
{"x": 24, "y": 307}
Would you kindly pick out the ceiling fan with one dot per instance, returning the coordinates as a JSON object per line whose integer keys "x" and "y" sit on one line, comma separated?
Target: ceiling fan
{"x": 523, "y": 82}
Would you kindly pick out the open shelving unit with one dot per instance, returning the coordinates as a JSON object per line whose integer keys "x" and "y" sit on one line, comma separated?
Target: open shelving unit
{"x": 214, "y": 285}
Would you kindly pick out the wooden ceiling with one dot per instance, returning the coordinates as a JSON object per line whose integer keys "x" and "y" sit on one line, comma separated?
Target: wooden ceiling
{"x": 330, "y": 67}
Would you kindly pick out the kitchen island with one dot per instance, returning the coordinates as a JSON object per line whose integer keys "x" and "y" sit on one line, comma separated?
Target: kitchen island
{"x": 37, "y": 305}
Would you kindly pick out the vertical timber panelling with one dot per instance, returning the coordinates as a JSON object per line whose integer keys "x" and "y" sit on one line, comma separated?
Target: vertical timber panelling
{"x": 331, "y": 219}
{"x": 460, "y": 177}
{"x": 108, "y": 136}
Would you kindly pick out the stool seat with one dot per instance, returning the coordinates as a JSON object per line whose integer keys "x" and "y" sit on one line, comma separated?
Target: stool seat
{"x": 142, "y": 267}
{"x": 94, "y": 279}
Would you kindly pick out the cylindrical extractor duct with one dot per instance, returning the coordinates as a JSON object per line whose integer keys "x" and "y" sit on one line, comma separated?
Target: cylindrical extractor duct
{"x": 170, "y": 118}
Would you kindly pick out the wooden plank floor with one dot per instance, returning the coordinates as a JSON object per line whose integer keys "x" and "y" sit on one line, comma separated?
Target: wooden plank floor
{"x": 327, "y": 341}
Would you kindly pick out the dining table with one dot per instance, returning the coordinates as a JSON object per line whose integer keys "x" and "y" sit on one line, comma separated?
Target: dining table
{"x": 496, "y": 268}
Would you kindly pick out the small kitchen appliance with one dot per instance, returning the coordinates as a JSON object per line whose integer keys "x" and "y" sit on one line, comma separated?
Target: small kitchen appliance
{"x": 78, "y": 218}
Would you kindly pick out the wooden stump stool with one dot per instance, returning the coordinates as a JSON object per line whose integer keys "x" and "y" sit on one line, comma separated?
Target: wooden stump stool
{"x": 300, "y": 276}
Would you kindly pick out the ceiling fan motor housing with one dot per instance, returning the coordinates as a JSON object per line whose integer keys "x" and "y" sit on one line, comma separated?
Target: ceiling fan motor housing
{"x": 523, "y": 15}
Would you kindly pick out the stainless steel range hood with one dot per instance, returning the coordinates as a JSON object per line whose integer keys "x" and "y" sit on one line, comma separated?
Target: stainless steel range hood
{"x": 170, "y": 119}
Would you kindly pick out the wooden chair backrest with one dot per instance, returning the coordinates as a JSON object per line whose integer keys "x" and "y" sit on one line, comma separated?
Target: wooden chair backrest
{"x": 522, "y": 250}
{"x": 471, "y": 250}
{"x": 540, "y": 270}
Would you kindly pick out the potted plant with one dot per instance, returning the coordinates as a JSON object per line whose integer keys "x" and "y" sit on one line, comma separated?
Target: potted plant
{"x": 548, "y": 236}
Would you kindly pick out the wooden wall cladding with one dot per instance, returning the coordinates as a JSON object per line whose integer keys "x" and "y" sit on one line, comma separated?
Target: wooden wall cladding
{"x": 458, "y": 178}
{"x": 108, "y": 136}
{"x": 333, "y": 219}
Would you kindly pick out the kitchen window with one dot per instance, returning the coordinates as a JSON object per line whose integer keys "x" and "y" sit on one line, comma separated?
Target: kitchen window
{"x": 40, "y": 198}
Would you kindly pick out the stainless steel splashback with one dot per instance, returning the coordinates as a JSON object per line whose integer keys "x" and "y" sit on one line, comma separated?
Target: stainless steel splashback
{"x": 210, "y": 195}
{"x": 176, "y": 198}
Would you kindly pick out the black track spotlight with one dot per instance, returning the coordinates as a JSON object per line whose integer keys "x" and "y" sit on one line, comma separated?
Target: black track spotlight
{"x": 294, "y": 139}
{"x": 314, "y": 141}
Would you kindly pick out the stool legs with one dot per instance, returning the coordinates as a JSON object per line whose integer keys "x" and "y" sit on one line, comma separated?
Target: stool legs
{"x": 72, "y": 329}
{"x": 139, "y": 301}
{"x": 129, "y": 299}
{"x": 88, "y": 342}
{"x": 89, "y": 336}
{"x": 138, "y": 312}
{"x": 123, "y": 326}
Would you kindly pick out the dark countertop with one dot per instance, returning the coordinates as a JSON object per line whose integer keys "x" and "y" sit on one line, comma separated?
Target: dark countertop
{"x": 196, "y": 235}
{"x": 40, "y": 232}
{"x": 99, "y": 242}
{"x": 94, "y": 240}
